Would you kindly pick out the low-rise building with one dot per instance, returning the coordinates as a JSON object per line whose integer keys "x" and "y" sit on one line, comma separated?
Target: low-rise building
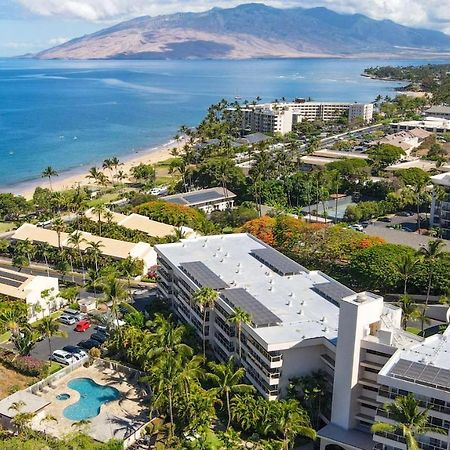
{"x": 139, "y": 222}
{"x": 416, "y": 163}
{"x": 39, "y": 293}
{"x": 439, "y": 111}
{"x": 431, "y": 124}
{"x": 113, "y": 248}
{"x": 207, "y": 200}
{"x": 407, "y": 140}
{"x": 440, "y": 206}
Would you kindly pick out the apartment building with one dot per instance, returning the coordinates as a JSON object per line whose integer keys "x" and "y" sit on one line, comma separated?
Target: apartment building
{"x": 39, "y": 293}
{"x": 281, "y": 117}
{"x": 294, "y": 312}
{"x": 440, "y": 208}
{"x": 440, "y": 111}
{"x": 303, "y": 321}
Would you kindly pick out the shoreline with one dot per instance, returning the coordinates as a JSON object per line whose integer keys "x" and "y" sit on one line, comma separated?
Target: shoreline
{"x": 73, "y": 177}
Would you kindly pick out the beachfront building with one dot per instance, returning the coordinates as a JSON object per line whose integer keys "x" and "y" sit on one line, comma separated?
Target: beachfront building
{"x": 112, "y": 248}
{"x": 440, "y": 207}
{"x": 439, "y": 111}
{"x": 139, "y": 222}
{"x": 431, "y": 124}
{"x": 39, "y": 293}
{"x": 321, "y": 158}
{"x": 207, "y": 200}
{"x": 281, "y": 117}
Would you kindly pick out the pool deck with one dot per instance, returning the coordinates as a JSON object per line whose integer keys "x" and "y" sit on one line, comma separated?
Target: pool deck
{"x": 117, "y": 419}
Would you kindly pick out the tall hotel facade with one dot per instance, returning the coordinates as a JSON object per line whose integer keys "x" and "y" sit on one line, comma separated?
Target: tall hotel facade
{"x": 281, "y": 117}
{"x": 440, "y": 206}
{"x": 303, "y": 321}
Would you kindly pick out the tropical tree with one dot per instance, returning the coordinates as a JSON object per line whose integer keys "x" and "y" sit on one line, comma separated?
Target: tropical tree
{"x": 24, "y": 340}
{"x": 94, "y": 250}
{"x": 205, "y": 298}
{"x": 76, "y": 239}
{"x": 49, "y": 327}
{"x": 433, "y": 252}
{"x": 227, "y": 380}
{"x": 239, "y": 317}
{"x": 49, "y": 172}
{"x": 99, "y": 210}
{"x": 292, "y": 421}
{"x": 59, "y": 227}
{"x": 410, "y": 310}
{"x": 405, "y": 267}
{"x": 411, "y": 420}
{"x": 21, "y": 420}
{"x": 114, "y": 292}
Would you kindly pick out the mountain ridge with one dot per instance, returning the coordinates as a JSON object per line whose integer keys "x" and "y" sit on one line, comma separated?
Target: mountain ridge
{"x": 251, "y": 30}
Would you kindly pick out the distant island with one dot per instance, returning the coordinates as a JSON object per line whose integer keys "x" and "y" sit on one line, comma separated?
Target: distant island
{"x": 253, "y": 31}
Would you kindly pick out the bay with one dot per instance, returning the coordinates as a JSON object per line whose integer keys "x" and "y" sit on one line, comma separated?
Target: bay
{"x": 73, "y": 114}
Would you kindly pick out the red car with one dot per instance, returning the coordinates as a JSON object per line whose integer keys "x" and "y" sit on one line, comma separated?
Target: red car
{"x": 82, "y": 325}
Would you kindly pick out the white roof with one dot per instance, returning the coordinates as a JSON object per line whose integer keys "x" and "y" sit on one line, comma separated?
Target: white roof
{"x": 340, "y": 154}
{"x": 417, "y": 163}
{"x": 303, "y": 312}
{"x": 109, "y": 247}
{"x": 13, "y": 283}
{"x": 443, "y": 179}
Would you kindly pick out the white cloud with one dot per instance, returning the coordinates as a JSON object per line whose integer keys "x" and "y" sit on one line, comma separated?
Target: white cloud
{"x": 58, "y": 40}
{"x": 423, "y": 13}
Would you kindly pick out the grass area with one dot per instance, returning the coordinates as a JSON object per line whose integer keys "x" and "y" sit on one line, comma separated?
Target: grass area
{"x": 53, "y": 315}
{"x": 103, "y": 199}
{"x": 11, "y": 381}
{"x": 165, "y": 162}
{"x": 5, "y": 337}
{"x": 413, "y": 330}
{"x": 6, "y": 226}
{"x": 54, "y": 367}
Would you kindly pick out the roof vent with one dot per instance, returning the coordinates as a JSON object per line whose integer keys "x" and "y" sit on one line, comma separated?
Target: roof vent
{"x": 323, "y": 319}
{"x": 300, "y": 312}
{"x": 291, "y": 294}
{"x": 214, "y": 255}
{"x": 227, "y": 254}
{"x": 289, "y": 303}
{"x": 221, "y": 259}
{"x": 325, "y": 330}
{"x": 271, "y": 288}
{"x": 361, "y": 297}
{"x": 239, "y": 264}
{"x": 302, "y": 302}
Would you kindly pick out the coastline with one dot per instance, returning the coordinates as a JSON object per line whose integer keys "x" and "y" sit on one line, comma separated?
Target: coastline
{"x": 73, "y": 177}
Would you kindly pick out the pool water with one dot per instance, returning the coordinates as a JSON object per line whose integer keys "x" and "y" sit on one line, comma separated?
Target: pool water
{"x": 92, "y": 397}
{"x": 63, "y": 396}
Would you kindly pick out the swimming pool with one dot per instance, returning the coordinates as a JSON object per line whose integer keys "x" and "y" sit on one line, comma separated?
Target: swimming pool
{"x": 92, "y": 397}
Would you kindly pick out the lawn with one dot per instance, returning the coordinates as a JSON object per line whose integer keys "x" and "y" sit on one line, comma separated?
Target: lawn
{"x": 11, "y": 381}
{"x": 6, "y": 226}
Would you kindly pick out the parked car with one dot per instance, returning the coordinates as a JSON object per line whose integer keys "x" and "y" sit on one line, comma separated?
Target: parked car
{"x": 100, "y": 337}
{"x": 74, "y": 313}
{"x": 405, "y": 213}
{"x": 365, "y": 223}
{"x": 357, "y": 227}
{"x": 102, "y": 329}
{"x": 67, "y": 320}
{"x": 385, "y": 219}
{"x": 88, "y": 344}
{"x": 82, "y": 325}
{"x": 75, "y": 350}
{"x": 64, "y": 357}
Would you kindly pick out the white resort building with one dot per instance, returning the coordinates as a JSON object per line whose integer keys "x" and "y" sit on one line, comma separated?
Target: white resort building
{"x": 39, "y": 293}
{"x": 113, "y": 248}
{"x": 440, "y": 208}
{"x": 303, "y": 321}
{"x": 281, "y": 117}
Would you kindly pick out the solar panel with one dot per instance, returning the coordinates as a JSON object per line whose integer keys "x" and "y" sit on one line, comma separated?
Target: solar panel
{"x": 277, "y": 261}
{"x": 261, "y": 316}
{"x": 9, "y": 282}
{"x": 13, "y": 276}
{"x": 177, "y": 200}
{"x": 202, "y": 275}
{"x": 200, "y": 197}
{"x": 424, "y": 374}
{"x": 333, "y": 291}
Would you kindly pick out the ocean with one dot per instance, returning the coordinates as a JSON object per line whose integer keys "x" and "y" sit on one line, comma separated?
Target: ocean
{"x": 74, "y": 114}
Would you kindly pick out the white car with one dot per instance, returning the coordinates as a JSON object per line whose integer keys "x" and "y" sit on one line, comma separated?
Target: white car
{"x": 357, "y": 227}
{"x": 67, "y": 320}
{"x": 63, "y": 357}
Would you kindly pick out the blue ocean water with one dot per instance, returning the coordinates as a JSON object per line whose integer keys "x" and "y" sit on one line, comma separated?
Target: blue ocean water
{"x": 73, "y": 114}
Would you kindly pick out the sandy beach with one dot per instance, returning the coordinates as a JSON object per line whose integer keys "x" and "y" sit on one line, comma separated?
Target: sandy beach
{"x": 72, "y": 178}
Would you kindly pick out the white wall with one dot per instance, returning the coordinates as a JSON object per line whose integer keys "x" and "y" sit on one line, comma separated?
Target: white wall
{"x": 39, "y": 306}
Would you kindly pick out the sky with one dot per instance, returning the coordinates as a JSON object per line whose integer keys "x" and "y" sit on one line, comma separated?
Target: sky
{"x": 27, "y": 26}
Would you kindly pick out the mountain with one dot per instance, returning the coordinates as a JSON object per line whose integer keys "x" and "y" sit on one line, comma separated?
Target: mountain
{"x": 251, "y": 31}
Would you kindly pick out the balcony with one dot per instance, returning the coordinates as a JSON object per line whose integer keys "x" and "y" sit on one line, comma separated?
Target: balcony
{"x": 328, "y": 360}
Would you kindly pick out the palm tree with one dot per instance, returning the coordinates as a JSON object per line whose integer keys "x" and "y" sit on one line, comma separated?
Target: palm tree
{"x": 431, "y": 254}
{"x": 76, "y": 239}
{"x": 411, "y": 420}
{"x": 292, "y": 420}
{"x": 49, "y": 172}
{"x": 21, "y": 420}
{"x": 191, "y": 373}
{"x": 94, "y": 251}
{"x": 59, "y": 226}
{"x": 49, "y": 328}
{"x": 405, "y": 267}
{"x": 205, "y": 297}
{"x": 99, "y": 209}
{"x": 114, "y": 292}
{"x": 410, "y": 309}
{"x": 227, "y": 379}
{"x": 238, "y": 318}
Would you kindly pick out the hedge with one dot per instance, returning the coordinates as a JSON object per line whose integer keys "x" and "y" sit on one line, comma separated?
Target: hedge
{"x": 26, "y": 365}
